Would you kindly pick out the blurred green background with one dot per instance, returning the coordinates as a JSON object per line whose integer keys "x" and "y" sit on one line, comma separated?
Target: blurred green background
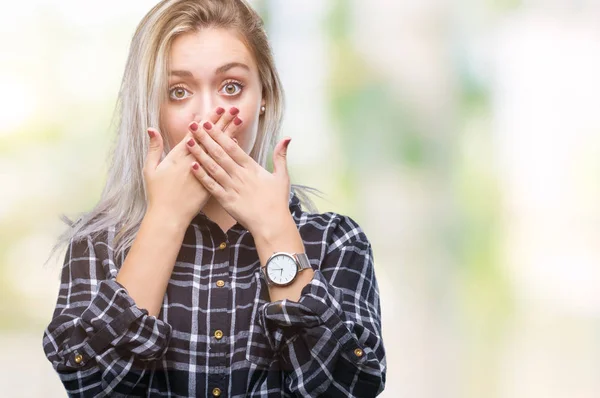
{"x": 463, "y": 138}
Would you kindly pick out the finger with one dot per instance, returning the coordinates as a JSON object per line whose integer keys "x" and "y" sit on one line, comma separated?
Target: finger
{"x": 215, "y": 115}
{"x": 205, "y": 137}
{"x": 230, "y": 146}
{"x": 208, "y": 163}
{"x": 280, "y": 157}
{"x": 155, "y": 150}
{"x": 207, "y": 181}
{"x": 180, "y": 148}
{"x": 227, "y": 118}
{"x": 233, "y": 127}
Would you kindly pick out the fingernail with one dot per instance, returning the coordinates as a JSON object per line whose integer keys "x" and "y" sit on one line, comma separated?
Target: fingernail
{"x": 207, "y": 126}
{"x": 237, "y": 121}
{"x": 195, "y": 166}
{"x": 191, "y": 142}
{"x": 151, "y": 134}
{"x": 194, "y": 126}
{"x": 220, "y": 111}
{"x": 234, "y": 111}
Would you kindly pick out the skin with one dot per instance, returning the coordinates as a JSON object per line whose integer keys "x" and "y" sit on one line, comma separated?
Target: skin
{"x": 240, "y": 190}
{"x": 207, "y": 170}
{"x": 201, "y": 53}
{"x": 193, "y": 97}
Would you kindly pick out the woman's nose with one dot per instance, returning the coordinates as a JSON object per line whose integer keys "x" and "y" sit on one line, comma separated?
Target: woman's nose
{"x": 206, "y": 104}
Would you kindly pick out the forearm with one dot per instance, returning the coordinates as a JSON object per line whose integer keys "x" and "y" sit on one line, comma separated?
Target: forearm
{"x": 146, "y": 271}
{"x": 284, "y": 237}
{"x": 329, "y": 341}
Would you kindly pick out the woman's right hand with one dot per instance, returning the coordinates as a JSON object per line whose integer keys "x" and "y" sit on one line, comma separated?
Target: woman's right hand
{"x": 171, "y": 187}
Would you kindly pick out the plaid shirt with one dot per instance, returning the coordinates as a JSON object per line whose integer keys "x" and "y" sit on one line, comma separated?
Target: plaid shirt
{"x": 217, "y": 332}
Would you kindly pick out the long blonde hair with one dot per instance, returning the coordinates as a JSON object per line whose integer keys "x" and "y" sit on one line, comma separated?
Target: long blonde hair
{"x": 143, "y": 90}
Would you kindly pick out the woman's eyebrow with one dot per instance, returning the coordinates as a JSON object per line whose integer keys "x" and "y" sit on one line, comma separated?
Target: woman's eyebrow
{"x": 181, "y": 73}
{"x": 218, "y": 71}
{"x": 226, "y": 67}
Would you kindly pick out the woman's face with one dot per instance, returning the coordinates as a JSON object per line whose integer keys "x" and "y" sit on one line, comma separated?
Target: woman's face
{"x": 208, "y": 69}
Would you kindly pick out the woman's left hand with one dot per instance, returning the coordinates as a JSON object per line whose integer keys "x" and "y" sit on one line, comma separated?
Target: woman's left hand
{"x": 256, "y": 198}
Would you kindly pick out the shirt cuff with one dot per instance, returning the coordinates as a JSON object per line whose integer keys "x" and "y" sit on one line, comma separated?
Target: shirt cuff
{"x": 112, "y": 319}
{"x": 319, "y": 306}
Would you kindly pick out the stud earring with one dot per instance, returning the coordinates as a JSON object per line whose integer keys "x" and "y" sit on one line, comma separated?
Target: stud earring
{"x": 262, "y": 109}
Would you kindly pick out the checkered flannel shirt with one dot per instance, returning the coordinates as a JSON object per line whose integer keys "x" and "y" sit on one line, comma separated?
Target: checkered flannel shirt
{"x": 217, "y": 332}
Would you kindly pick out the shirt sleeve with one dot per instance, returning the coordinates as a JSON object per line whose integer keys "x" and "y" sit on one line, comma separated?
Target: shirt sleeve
{"x": 98, "y": 341}
{"x": 330, "y": 340}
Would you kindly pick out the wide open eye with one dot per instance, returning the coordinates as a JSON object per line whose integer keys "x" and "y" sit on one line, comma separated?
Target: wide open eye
{"x": 232, "y": 88}
{"x": 178, "y": 93}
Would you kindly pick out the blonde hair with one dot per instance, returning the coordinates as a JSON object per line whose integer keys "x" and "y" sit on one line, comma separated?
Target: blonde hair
{"x": 143, "y": 90}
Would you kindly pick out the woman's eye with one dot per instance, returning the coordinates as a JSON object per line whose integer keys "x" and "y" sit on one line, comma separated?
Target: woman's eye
{"x": 232, "y": 88}
{"x": 178, "y": 93}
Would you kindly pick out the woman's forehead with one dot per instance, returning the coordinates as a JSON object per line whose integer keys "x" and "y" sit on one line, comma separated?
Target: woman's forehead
{"x": 204, "y": 51}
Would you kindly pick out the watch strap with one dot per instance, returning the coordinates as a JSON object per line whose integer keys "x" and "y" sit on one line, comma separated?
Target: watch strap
{"x": 303, "y": 261}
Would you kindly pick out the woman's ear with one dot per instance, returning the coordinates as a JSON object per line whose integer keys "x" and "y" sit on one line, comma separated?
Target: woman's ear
{"x": 262, "y": 107}
{"x": 263, "y": 101}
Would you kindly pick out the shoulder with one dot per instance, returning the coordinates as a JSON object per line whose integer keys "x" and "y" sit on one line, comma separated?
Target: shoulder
{"x": 92, "y": 246}
{"x": 337, "y": 229}
{"x": 330, "y": 229}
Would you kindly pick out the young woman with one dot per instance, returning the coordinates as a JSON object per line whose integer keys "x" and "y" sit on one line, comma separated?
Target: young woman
{"x": 199, "y": 273}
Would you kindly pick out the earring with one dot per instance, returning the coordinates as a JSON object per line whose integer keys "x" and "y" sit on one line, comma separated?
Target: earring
{"x": 262, "y": 109}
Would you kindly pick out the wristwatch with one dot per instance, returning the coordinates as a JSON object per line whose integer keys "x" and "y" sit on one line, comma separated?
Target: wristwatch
{"x": 282, "y": 268}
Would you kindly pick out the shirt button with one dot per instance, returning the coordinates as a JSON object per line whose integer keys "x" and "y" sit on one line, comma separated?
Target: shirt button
{"x": 216, "y": 392}
{"x": 218, "y": 334}
{"x": 223, "y": 245}
{"x": 358, "y": 352}
{"x": 78, "y": 358}
{"x": 220, "y": 283}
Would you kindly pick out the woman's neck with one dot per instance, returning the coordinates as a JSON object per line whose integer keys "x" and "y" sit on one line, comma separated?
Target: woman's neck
{"x": 217, "y": 214}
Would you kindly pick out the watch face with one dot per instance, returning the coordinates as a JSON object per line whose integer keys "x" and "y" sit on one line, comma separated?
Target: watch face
{"x": 282, "y": 269}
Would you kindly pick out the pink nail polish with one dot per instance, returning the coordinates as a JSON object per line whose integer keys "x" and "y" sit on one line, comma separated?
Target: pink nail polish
{"x": 237, "y": 121}
{"x": 207, "y": 126}
{"x": 191, "y": 142}
{"x": 151, "y": 134}
{"x": 194, "y": 126}
{"x": 220, "y": 111}
{"x": 195, "y": 166}
{"x": 234, "y": 111}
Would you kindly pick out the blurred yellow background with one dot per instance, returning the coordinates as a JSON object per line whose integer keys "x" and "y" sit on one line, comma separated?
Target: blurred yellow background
{"x": 463, "y": 137}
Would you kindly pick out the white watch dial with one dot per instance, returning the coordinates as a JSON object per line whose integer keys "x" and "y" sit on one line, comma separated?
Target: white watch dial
{"x": 282, "y": 269}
